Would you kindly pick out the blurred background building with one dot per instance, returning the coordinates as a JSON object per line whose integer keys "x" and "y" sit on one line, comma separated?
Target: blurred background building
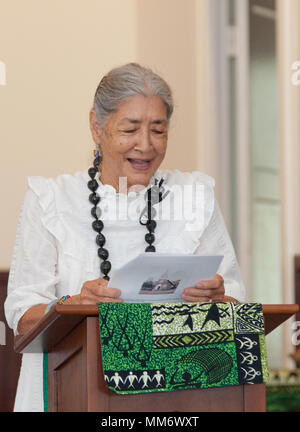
{"x": 234, "y": 66}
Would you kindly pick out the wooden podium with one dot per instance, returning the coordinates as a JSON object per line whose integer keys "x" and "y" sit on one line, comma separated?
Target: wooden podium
{"x": 70, "y": 335}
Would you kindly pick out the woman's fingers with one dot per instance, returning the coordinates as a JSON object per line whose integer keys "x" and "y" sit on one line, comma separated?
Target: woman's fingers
{"x": 97, "y": 291}
{"x": 101, "y": 290}
{"x": 204, "y": 291}
{"x": 215, "y": 283}
{"x": 195, "y": 299}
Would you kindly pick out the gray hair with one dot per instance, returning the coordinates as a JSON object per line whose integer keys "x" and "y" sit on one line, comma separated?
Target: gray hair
{"x": 125, "y": 81}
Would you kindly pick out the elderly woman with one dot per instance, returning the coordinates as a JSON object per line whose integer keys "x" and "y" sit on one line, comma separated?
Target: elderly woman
{"x": 67, "y": 246}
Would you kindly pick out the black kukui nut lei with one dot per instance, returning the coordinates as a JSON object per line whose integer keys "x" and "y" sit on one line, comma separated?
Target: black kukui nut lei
{"x": 153, "y": 195}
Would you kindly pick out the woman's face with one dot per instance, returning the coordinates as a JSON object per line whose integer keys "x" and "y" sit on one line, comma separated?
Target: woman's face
{"x": 133, "y": 140}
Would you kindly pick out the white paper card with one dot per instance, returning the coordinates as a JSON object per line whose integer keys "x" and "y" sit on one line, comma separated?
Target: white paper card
{"x": 155, "y": 277}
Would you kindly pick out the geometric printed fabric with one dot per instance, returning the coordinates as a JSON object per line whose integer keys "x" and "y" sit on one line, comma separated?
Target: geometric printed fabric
{"x": 155, "y": 347}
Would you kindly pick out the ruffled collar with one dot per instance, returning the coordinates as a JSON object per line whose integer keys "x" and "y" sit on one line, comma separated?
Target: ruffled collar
{"x": 107, "y": 190}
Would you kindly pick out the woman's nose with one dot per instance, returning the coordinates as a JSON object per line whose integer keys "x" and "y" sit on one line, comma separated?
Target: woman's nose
{"x": 144, "y": 142}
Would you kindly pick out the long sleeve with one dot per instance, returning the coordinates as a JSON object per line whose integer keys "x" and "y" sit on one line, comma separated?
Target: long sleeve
{"x": 215, "y": 240}
{"x": 33, "y": 275}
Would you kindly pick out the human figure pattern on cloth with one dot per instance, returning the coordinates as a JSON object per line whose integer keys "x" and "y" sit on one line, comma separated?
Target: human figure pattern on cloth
{"x": 148, "y": 347}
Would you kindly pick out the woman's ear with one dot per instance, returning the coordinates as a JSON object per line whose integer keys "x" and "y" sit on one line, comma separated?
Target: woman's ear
{"x": 95, "y": 127}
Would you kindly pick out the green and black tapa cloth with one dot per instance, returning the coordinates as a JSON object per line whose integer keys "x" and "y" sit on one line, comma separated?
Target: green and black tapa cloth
{"x": 172, "y": 346}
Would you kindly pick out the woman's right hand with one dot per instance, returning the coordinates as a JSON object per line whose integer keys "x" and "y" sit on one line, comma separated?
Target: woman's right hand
{"x": 96, "y": 291}
{"x": 92, "y": 292}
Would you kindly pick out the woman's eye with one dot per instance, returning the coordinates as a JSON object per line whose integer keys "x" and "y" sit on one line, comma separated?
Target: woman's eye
{"x": 158, "y": 132}
{"x": 130, "y": 131}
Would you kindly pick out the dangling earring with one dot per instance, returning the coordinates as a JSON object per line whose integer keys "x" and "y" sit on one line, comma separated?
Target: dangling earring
{"x": 97, "y": 156}
{"x": 95, "y": 168}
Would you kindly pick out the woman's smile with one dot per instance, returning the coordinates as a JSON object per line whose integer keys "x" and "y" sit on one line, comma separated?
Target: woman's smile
{"x": 140, "y": 164}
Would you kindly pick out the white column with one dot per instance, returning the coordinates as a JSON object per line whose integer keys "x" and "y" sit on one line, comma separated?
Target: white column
{"x": 208, "y": 155}
{"x": 289, "y": 142}
{"x": 242, "y": 140}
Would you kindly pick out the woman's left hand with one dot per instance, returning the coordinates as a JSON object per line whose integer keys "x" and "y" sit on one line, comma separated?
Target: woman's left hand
{"x": 206, "y": 291}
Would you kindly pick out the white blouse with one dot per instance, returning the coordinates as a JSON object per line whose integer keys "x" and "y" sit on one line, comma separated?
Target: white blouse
{"x": 55, "y": 250}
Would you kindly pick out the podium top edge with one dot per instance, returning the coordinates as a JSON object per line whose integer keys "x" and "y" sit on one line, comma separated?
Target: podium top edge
{"x": 92, "y": 310}
{"x": 39, "y": 338}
